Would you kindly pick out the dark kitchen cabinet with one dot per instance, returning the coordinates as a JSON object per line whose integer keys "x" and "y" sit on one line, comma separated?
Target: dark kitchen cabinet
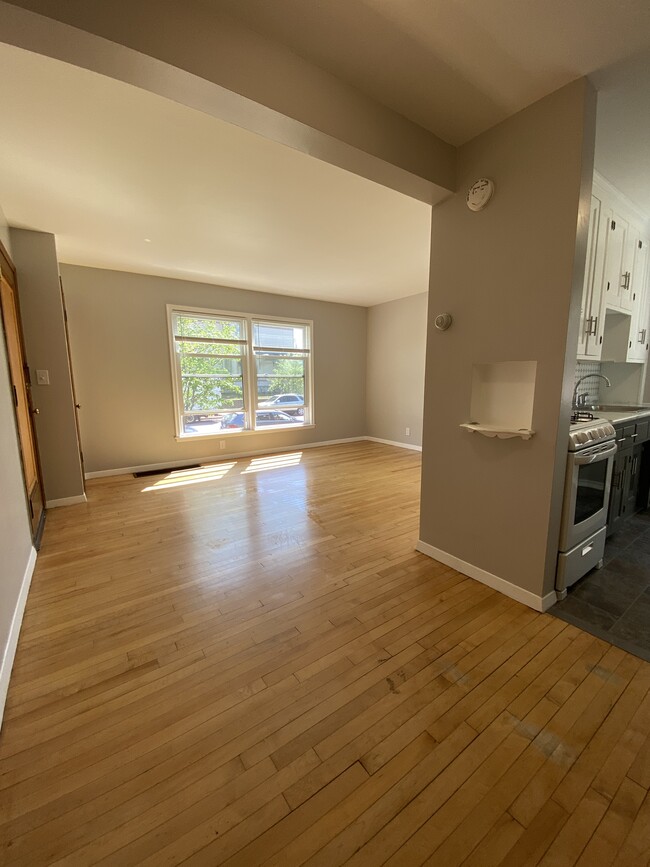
{"x": 643, "y": 497}
{"x": 632, "y": 482}
{"x": 619, "y": 495}
{"x": 630, "y": 474}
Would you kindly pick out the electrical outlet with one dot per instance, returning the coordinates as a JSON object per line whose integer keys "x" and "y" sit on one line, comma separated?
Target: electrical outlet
{"x": 408, "y": 431}
{"x": 222, "y": 444}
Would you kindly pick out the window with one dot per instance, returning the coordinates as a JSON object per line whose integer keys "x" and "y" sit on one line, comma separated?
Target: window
{"x": 237, "y": 373}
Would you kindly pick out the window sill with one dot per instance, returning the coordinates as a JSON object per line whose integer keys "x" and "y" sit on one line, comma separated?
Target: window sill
{"x": 244, "y": 433}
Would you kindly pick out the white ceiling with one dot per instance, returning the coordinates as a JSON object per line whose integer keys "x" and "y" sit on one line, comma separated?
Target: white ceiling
{"x": 105, "y": 166}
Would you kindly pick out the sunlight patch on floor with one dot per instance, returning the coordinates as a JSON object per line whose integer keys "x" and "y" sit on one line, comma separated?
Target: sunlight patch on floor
{"x": 273, "y": 462}
{"x": 180, "y": 478}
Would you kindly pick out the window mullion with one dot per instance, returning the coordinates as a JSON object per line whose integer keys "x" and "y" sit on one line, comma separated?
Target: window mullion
{"x": 254, "y": 386}
{"x": 251, "y": 401}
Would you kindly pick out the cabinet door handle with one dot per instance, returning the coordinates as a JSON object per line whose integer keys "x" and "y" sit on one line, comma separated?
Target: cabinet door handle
{"x": 592, "y": 326}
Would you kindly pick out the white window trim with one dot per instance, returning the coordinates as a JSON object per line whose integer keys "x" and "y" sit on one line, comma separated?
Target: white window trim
{"x": 249, "y": 372}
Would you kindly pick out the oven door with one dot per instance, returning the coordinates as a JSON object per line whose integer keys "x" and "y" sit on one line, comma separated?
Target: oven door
{"x": 586, "y": 493}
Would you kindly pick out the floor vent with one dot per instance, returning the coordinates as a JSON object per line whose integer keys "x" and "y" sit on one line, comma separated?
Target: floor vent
{"x": 164, "y": 471}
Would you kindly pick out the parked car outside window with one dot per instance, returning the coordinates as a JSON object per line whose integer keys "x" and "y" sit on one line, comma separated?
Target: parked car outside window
{"x": 293, "y": 404}
{"x": 235, "y": 420}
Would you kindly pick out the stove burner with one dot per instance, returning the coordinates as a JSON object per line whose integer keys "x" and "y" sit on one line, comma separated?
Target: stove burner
{"x": 581, "y": 415}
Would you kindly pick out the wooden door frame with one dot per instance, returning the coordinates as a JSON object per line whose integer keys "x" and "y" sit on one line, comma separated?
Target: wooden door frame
{"x": 8, "y": 272}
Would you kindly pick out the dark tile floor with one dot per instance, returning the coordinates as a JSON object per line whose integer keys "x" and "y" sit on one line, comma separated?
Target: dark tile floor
{"x": 613, "y": 603}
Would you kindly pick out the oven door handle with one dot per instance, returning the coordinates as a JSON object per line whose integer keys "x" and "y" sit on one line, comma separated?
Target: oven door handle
{"x": 580, "y": 460}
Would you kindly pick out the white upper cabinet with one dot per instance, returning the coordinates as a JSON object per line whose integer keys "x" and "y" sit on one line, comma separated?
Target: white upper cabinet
{"x": 616, "y": 258}
{"x": 615, "y": 296}
{"x": 639, "y": 342}
{"x": 592, "y": 312}
{"x": 632, "y": 237}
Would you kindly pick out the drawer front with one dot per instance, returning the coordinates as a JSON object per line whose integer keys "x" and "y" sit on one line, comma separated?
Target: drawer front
{"x": 642, "y": 431}
{"x": 579, "y": 560}
{"x": 625, "y": 435}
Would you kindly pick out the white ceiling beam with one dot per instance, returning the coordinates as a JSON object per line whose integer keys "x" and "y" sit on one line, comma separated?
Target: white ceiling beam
{"x": 187, "y": 53}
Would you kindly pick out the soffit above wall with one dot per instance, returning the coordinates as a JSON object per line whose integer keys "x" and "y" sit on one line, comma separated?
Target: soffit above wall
{"x": 458, "y": 67}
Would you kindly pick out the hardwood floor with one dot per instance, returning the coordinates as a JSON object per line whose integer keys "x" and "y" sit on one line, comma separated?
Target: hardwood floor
{"x": 249, "y": 664}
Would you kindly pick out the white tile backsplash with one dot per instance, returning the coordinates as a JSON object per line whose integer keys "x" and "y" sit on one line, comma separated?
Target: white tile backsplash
{"x": 592, "y": 386}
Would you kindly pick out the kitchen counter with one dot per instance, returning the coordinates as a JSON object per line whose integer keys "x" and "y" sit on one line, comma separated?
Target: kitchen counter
{"x": 623, "y": 415}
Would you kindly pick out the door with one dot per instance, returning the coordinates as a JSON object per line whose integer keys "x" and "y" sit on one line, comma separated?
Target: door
{"x": 596, "y": 315}
{"x": 20, "y": 384}
{"x": 586, "y": 322}
{"x": 627, "y": 267}
{"x": 639, "y": 326}
{"x": 615, "y": 279}
{"x": 587, "y": 493}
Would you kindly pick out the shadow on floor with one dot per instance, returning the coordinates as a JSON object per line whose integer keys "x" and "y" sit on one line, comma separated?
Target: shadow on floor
{"x": 613, "y": 603}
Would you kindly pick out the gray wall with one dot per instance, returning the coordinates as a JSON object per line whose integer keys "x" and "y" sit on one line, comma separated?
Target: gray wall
{"x": 511, "y": 275}
{"x": 34, "y": 255}
{"x": 15, "y": 533}
{"x": 397, "y": 336}
{"x": 120, "y": 357}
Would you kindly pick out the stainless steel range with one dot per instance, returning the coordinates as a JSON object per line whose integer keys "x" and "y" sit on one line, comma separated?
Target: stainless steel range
{"x": 586, "y": 498}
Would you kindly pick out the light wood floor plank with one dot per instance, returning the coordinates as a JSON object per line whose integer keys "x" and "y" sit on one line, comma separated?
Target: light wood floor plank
{"x": 258, "y": 668}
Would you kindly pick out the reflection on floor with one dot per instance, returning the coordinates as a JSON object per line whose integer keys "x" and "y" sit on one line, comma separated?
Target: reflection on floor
{"x": 614, "y": 603}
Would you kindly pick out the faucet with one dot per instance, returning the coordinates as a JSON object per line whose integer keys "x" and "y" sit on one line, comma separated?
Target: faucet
{"x": 577, "y": 400}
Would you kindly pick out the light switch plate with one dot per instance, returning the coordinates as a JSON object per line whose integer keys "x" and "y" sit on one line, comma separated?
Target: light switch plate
{"x": 42, "y": 377}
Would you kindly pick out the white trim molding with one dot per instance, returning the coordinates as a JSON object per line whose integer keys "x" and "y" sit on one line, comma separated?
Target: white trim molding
{"x": 394, "y": 443}
{"x": 65, "y": 501}
{"x": 622, "y": 200}
{"x": 538, "y": 603}
{"x": 14, "y": 631}
{"x": 211, "y": 459}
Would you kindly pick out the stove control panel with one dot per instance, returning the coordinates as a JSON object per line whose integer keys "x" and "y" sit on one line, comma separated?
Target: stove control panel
{"x": 590, "y": 433}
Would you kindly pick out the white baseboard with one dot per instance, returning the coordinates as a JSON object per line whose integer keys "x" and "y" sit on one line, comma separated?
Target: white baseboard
{"x": 209, "y": 459}
{"x": 394, "y": 443}
{"x": 14, "y": 631}
{"x": 66, "y": 501}
{"x": 538, "y": 603}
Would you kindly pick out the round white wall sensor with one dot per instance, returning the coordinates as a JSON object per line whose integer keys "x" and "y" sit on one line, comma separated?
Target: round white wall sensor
{"x": 479, "y": 194}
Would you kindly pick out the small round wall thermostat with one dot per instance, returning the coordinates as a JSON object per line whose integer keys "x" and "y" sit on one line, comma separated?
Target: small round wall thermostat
{"x": 479, "y": 194}
{"x": 443, "y": 321}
